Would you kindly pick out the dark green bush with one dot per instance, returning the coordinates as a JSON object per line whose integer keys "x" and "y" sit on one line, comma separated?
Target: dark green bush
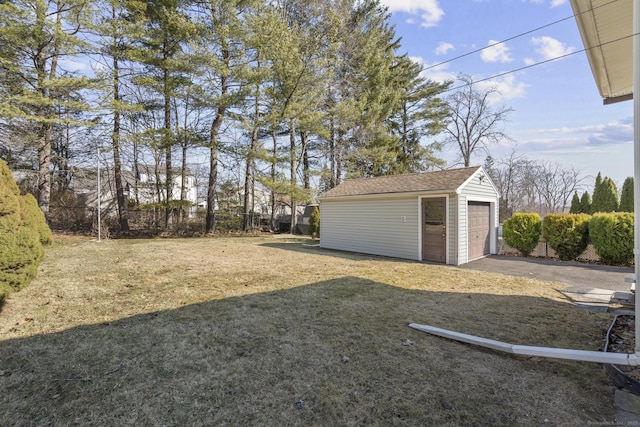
{"x": 35, "y": 217}
{"x": 314, "y": 223}
{"x": 21, "y": 250}
{"x": 522, "y": 232}
{"x": 567, "y": 234}
{"x": 612, "y": 237}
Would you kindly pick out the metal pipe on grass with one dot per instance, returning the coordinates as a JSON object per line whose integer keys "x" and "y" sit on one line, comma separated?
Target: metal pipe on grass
{"x": 526, "y": 350}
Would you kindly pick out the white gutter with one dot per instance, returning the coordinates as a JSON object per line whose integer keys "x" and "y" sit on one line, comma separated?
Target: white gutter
{"x": 526, "y": 350}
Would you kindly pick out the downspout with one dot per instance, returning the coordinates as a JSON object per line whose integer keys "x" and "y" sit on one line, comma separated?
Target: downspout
{"x": 526, "y": 350}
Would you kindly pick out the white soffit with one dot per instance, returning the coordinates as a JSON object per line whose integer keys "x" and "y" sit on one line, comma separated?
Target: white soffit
{"x": 606, "y": 27}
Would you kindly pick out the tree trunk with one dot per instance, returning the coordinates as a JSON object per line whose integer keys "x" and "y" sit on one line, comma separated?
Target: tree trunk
{"x": 249, "y": 202}
{"x": 167, "y": 141}
{"x": 44, "y": 110}
{"x": 115, "y": 140}
{"x": 210, "y": 223}
{"x": 293, "y": 180}
{"x": 274, "y": 159}
{"x": 304, "y": 138}
{"x": 44, "y": 159}
{"x": 332, "y": 154}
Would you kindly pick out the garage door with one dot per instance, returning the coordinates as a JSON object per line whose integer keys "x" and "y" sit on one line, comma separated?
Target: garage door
{"x": 478, "y": 242}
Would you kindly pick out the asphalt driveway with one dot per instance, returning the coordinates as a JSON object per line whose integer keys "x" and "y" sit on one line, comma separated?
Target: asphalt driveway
{"x": 579, "y": 277}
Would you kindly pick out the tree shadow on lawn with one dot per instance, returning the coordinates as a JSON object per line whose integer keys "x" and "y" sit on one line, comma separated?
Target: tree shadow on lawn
{"x": 337, "y": 352}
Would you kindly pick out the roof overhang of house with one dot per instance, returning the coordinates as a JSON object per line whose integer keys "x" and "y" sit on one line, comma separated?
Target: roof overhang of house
{"x": 606, "y": 28}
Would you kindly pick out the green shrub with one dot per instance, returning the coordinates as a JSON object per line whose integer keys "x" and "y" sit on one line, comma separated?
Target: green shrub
{"x": 612, "y": 237}
{"x": 36, "y": 218}
{"x": 314, "y": 223}
{"x": 567, "y": 234}
{"x": 21, "y": 250}
{"x": 522, "y": 232}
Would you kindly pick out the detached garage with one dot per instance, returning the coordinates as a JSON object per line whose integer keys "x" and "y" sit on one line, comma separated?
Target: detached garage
{"x": 447, "y": 216}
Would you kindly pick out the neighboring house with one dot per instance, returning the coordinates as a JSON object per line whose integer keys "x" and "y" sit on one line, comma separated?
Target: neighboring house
{"x": 142, "y": 188}
{"x": 147, "y": 187}
{"x": 445, "y": 216}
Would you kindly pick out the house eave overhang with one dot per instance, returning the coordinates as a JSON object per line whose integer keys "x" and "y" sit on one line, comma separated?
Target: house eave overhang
{"x": 606, "y": 28}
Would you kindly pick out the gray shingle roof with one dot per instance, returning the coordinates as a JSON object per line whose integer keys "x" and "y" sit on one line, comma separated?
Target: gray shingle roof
{"x": 444, "y": 181}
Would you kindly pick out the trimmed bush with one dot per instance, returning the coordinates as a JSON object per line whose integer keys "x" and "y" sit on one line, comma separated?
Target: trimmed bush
{"x": 21, "y": 250}
{"x": 522, "y": 232}
{"x": 314, "y": 223}
{"x": 567, "y": 234}
{"x": 612, "y": 237}
{"x": 35, "y": 217}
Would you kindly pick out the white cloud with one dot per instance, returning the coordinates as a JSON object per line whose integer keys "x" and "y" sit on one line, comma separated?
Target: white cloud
{"x": 506, "y": 88}
{"x": 497, "y": 52}
{"x": 614, "y": 132}
{"x": 429, "y": 10}
{"x": 556, "y": 3}
{"x": 550, "y": 48}
{"x": 443, "y": 48}
{"x": 438, "y": 74}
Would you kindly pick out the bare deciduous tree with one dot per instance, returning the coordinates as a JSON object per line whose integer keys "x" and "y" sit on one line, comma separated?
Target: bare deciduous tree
{"x": 555, "y": 185}
{"x": 473, "y": 123}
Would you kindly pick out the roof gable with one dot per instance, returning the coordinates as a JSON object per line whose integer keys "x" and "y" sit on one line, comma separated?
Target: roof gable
{"x": 446, "y": 181}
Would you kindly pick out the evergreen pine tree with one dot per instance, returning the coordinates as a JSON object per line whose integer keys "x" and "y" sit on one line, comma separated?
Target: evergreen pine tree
{"x": 626, "y": 197}
{"x": 597, "y": 203}
{"x": 576, "y": 207}
{"x": 610, "y": 195}
{"x": 585, "y": 203}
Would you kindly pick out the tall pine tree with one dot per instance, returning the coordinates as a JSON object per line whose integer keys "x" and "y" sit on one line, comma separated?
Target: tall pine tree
{"x": 585, "y": 203}
{"x": 605, "y": 195}
{"x": 36, "y": 35}
{"x": 575, "y": 204}
{"x": 626, "y": 197}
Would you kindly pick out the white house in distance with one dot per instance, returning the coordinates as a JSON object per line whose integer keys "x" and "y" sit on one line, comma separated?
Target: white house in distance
{"x": 144, "y": 187}
{"x": 446, "y": 216}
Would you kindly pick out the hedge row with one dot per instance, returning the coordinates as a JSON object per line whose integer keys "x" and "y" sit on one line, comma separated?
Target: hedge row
{"x": 23, "y": 232}
{"x": 568, "y": 235}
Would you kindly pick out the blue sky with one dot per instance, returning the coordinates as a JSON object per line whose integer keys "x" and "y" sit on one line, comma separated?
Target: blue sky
{"x": 558, "y": 113}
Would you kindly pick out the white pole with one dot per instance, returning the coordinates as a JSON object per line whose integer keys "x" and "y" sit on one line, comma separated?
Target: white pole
{"x": 99, "y": 196}
{"x": 636, "y": 158}
{"x": 527, "y": 350}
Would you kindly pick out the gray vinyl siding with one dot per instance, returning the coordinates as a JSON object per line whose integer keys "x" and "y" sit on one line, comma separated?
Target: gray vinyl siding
{"x": 476, "y": 190}
{"x": 372, "y": 226}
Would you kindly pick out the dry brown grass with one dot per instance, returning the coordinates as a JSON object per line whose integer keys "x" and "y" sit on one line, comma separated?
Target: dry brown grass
{"x": 267, "y": 331}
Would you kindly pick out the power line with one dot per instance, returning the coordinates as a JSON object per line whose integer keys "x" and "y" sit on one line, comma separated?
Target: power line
{"x": 518, "y": 36}
{"x": 543, "y": 62}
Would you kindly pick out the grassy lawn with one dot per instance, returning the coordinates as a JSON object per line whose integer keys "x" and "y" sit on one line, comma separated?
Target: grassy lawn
{"x": 268, "y": 331}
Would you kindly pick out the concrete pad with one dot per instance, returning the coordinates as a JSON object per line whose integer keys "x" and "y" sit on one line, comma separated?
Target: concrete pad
{"x": 627, "y": 408}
